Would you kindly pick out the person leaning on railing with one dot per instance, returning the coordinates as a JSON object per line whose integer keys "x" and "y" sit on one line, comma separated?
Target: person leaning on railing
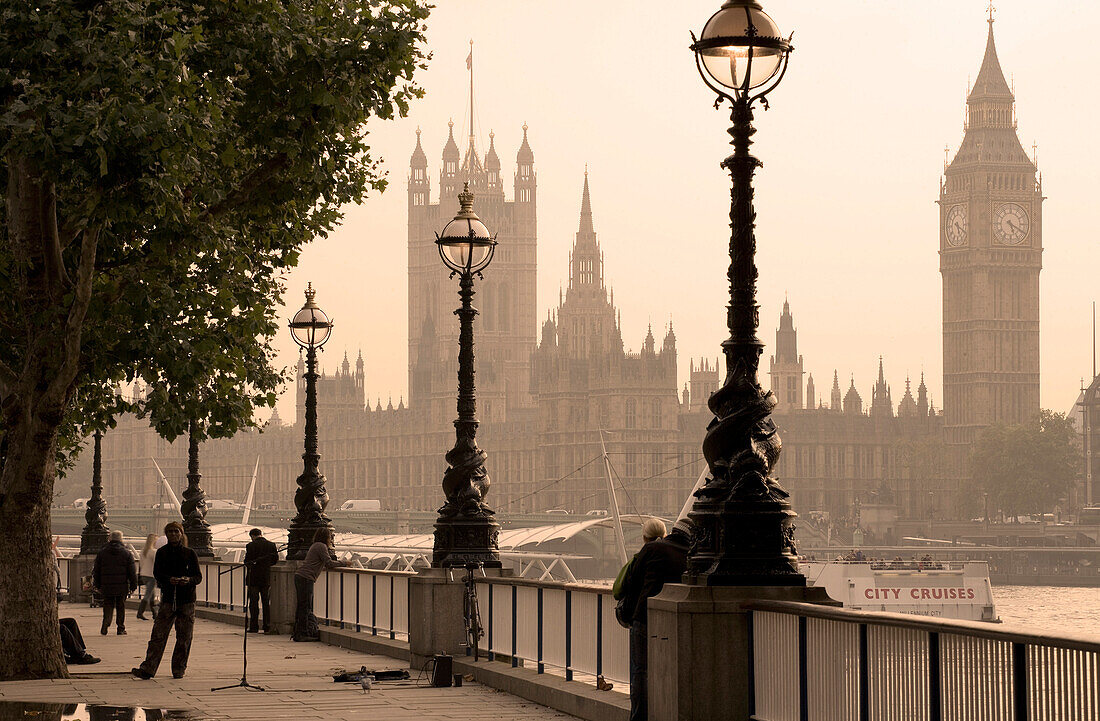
{"x": 661, "y": 561}
{"x": 318, "y": 558}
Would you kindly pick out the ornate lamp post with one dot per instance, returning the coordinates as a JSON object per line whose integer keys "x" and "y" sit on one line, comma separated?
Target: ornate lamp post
{"x": 465, "y": 532}
{"x": 193, "y": 507}
{"x": 94, "y": 536}
{"x": 310, "y": 329}
{"x": 744, "y": 532}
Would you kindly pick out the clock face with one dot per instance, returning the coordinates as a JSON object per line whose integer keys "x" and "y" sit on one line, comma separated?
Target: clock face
{"x": 956, "y": 226}
{"x": 1011, "y": 224}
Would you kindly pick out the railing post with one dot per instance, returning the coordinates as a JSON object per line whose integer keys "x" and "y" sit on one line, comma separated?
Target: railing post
{"x": 568, "y": 635}
{"x": 864, "y": 676}
{"x": 599, "y": 634}
{"x": 538, "y": 662}
{"x": 358, "y": 590}
{"x": 515, "y": 661}
{"x": 1019, "y": 681}
{"x": 374, "y": 604}
{"x": 803, "y": 672}
{"x": 751, "y": 618}
{"x": 490, "y": 655}
{"x": 393, "y": 633}
{"x": 935, "y": 696}
{"x": 342, "y": 574}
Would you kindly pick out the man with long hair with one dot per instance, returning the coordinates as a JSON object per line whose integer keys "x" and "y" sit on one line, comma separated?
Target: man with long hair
{"x": 176, "y": 569}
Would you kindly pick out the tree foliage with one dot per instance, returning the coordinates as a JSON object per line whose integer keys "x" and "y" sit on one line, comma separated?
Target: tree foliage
{"x": 1029, "y": 467}
{"x": 164, "y": 162}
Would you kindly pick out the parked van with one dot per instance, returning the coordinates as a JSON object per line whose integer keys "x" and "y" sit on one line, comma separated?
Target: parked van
{"x": 361, "y": 504}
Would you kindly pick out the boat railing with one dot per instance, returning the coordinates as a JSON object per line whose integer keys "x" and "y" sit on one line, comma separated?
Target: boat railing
{"x": 812, "y": 661}
{"x": 897, "y": 565}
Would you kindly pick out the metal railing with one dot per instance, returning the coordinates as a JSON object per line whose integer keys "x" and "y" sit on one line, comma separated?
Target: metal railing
{"x": 368, "y": 601}
{"x": 814, "y": 663}
{"x": 567, "y": 627}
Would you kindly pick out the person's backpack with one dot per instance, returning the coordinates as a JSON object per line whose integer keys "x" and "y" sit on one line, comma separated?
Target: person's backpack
{"x": 624, "y": 611}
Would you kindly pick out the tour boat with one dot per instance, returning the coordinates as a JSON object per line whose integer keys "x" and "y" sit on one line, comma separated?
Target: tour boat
{"x": 946, "y": 589}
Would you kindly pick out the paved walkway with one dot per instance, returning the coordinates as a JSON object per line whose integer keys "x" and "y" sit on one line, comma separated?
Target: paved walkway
{"x": 295, "y": 675}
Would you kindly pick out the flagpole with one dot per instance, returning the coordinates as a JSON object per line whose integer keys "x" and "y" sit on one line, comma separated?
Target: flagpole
{"x": 470, "y": 67}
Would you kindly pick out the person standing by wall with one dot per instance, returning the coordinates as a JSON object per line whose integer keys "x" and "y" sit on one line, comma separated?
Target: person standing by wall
{"x": 176, "y": 568}
{"x": 259, "y": 556}
{"x": 114, "y": 575}
{"x": 661, "y": 561}
{"x": 145, "y": 565}
{"x": 318, "y": 558}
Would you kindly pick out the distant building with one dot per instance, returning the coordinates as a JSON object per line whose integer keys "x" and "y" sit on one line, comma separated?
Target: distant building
{"x": 1086, "y": 418}
{"x": 991, "y": 248}
{"x": 549, "y": 402}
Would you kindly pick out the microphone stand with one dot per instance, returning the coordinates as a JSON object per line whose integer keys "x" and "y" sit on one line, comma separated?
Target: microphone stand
{"x": 243, "y": 683}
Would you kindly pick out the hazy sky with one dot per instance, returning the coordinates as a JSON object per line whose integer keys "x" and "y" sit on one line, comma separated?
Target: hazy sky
{"x": 853, "y": 149}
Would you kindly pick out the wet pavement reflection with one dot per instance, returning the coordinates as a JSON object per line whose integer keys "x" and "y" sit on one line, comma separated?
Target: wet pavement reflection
{"x": 21, "y": 711}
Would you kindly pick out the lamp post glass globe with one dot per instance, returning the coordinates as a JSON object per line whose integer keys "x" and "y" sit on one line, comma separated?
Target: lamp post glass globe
{"x": 465, "y": 245}
{"x": 310, "y": 326}
{"x": 741, "y": 47}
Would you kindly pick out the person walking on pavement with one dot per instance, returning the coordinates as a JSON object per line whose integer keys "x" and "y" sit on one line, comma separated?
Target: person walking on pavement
{"x": 114, "y": 575}
{"x": 661, "y": 561}
{"x": 145, "y": 563}
{"x": 176, "y": 568}
{"x": 259, "y": 556}
{"x": 318, "y": 558}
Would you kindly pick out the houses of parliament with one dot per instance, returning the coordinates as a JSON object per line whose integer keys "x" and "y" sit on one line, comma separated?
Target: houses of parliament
{"x": 557, "y": 387}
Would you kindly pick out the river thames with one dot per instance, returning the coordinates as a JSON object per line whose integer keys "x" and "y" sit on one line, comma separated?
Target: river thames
{"x": 1057, "y": 610}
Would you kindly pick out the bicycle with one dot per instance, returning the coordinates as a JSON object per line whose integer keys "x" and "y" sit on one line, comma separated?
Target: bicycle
{"x": 471, "y": 613}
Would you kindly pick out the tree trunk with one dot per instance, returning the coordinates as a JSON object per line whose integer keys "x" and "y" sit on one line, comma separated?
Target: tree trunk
{"x": 33, "y": 401}
{"x": 30, "y": 644}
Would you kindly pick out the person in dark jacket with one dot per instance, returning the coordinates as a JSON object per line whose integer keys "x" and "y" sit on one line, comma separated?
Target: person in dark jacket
{"x": 259, "y": 556}
{"x": 176, "y": 569}
{"x": 661, "y": 561}
{"x": 318, "y": 558}
{"x": 116, "y": 578}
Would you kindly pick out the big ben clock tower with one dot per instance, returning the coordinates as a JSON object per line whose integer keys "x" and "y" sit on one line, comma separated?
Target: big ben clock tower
{"x": 991, "y": 247}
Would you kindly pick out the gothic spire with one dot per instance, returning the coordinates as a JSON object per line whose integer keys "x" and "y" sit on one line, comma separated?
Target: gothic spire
{"x": 991, "y": 79}
{"x": 586, "y": 207}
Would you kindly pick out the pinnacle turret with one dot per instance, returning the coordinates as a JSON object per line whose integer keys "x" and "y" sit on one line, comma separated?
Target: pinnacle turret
{"x": 492, "y": 160}
{"x": 419, "y": 159}
{"x": 525, "y": 156}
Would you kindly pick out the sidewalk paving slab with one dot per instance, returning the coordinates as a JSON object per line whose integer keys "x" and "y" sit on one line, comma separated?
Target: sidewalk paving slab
{"x": 297, "y": 678}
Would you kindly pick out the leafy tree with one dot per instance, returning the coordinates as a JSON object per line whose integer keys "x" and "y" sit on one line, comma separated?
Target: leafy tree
{"x": 1029, "y": 467}
{"x": 164, "y": 161}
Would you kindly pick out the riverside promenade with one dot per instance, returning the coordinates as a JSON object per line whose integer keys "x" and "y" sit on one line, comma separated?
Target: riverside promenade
{"x": 297, "y": 677}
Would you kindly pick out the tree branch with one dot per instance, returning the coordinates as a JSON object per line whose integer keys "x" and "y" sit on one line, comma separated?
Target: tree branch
{"x": 8, "y": 379}
{"x": 74, "y": 324}
{"x": 251, "y": 183}
{"x": 51, "y": 244}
